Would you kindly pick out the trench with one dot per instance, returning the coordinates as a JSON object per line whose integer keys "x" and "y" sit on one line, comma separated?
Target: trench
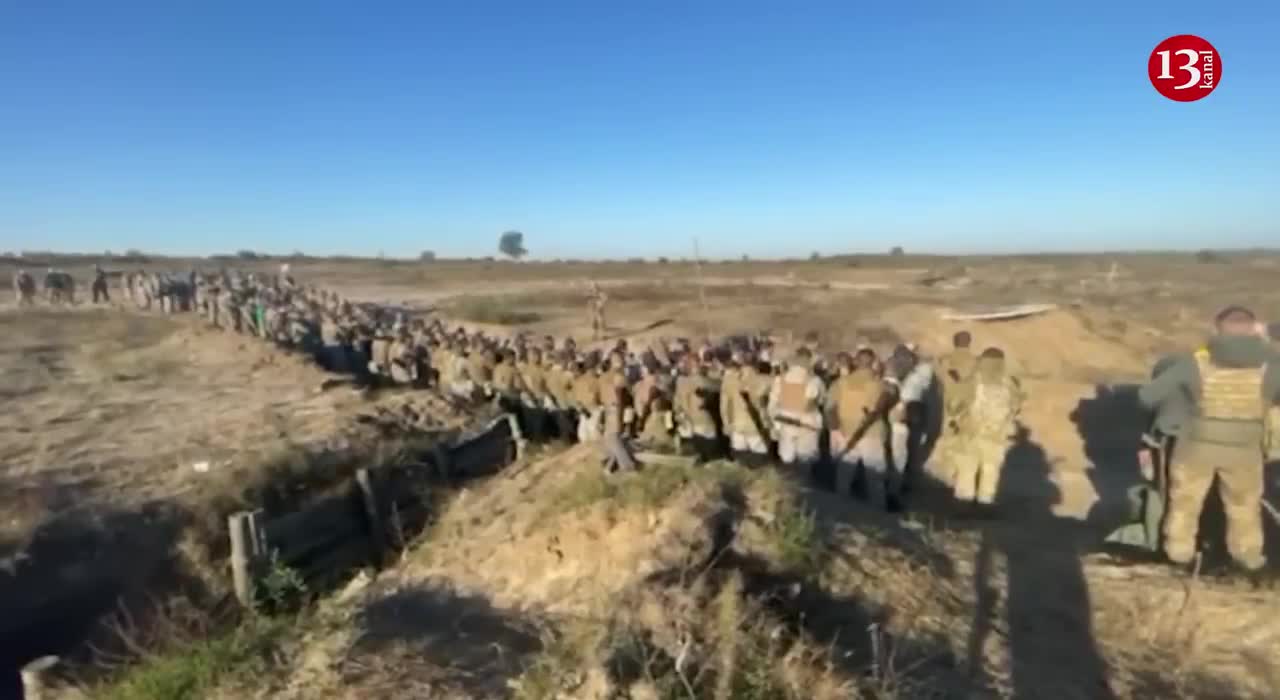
{"x": 86, "y": 571}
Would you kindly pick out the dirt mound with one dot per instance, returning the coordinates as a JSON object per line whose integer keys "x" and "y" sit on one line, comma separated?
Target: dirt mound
{"x": 556, "y": 580}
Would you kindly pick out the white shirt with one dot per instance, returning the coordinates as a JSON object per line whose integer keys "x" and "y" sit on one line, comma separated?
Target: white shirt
{"x": 917, "y": 382}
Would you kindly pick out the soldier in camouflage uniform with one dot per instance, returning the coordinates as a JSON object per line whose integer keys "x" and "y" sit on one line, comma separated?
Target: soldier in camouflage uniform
{"x": 744, "y": 399}
{"x": 586, "y": 401}
{"x": 615, "y": 396}
{"x": 987, "y": 406}
{"x": 695, "y": 420}
{"x": 795, "y": 409}
{"x": 1234, "y": 385}
{"x": 855, "y": 449}
{"x": 533, "y": 398}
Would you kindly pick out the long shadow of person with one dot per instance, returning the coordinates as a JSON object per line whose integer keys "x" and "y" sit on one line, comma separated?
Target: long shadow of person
{"x": 1048, "y": 616}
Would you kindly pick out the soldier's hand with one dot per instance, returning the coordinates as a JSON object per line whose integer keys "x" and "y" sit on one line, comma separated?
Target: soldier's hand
{"x": 1145, "y": 464}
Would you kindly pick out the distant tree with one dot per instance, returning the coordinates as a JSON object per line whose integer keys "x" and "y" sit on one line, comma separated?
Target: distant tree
{"x": 815, "y": 255}
{"x": 897, "y": 251}
{"x": 746, "y": 258}
{"x": 247, "y": 255}
{"x": 635, "y": 261}
{"x": 663, "y": 261}
{"x": 427, "y": 256}
{"x": 511, "y": 244}
{"x": 488, "y": 258}
{"x": 1208, "y": 256}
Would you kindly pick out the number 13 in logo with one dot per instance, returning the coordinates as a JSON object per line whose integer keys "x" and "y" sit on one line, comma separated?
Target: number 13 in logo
{"x": 1185, "y": 68}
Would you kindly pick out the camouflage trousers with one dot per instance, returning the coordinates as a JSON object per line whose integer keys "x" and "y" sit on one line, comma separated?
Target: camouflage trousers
{"x": 869, "y": 458}
{"x": 976, "y": 465}
{"x": 1238, "y": 472}
{"x": 797, "y": 445}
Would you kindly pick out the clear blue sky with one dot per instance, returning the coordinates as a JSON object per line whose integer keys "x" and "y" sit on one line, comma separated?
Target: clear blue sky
{"x": 618, "y": 129}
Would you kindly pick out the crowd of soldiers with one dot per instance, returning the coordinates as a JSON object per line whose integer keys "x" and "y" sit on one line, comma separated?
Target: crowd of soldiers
{"x": 874, "y": 417}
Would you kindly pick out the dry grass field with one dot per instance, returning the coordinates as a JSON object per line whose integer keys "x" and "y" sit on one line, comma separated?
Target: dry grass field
{"x": 552, "y": 582}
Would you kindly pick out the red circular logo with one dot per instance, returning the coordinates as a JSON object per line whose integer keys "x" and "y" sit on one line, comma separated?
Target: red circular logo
{"x": 1185, "y": 68}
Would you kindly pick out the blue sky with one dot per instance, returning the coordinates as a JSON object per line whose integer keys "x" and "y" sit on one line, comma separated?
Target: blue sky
{"x": 619, "y": 129}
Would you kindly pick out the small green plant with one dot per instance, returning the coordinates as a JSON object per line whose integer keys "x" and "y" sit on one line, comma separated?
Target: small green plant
{"x": 280, "y": 586}
{"x": 796, "y": 538}
{"x": 195, "y": 668}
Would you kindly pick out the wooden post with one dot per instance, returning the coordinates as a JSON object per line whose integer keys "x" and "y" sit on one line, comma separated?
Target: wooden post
{"x": 247, "y": 550}
{"x": 373, "y": 517}
{"x": 516, "y": 435}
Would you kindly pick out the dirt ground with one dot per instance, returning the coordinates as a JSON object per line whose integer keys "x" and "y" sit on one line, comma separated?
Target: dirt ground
{"x": 116, "y": 406}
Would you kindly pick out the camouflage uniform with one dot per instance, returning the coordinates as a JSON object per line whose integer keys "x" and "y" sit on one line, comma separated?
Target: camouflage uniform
{"x": 851, "y": 401}
{"x": 586, "y": 398}
{"x": 533, "y": 398}
{"x": 613, "y": 388}
{"x": 1234, "y": 387}
{"x": 744, "y": 398}
{"x": 795, "y": 408}
{"x": 695, "y": 422}
{"x": 986, "y": 418}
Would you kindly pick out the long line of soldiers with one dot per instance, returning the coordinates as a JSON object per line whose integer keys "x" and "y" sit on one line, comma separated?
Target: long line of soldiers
{"x": 743, "y": 399}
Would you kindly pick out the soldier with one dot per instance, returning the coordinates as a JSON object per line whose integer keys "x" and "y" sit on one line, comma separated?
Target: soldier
{"x": 795, "y": 402}
{"x": 613, "y": 391}
{"x": 695, "y": 421}
{"x": 911, "y": 419}
{"x": 586, "y": 399}
{"x": 1234, "y": 386}
{"x": 24, "y": 288}
{"x": 595, "y": 308}
{"x": 506, "y": 386}
{"x": 852, "y": 401}
{"x": 100, "y": 293}
{"x": 744, "y": 415}
{"x": 533, "y": 380}
{"x": 480, "y": 365}
{"x": 988, "y": 406}
{"x": 303, "y": 335}
{"x": 560, "y": 379}
{"x": 402, "y": 357}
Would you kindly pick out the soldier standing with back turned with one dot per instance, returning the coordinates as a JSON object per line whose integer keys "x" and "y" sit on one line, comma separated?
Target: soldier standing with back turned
{"x": 1234, "y": 386}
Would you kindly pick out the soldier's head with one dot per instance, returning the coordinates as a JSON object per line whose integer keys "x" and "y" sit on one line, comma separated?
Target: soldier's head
{"x": 802, "y": 357}
{"x": 845, "y": 363}
{"x": 616, "y": 360}
{"x": 1234, "y": 321}
{"x": 962, "y": 340}
{"x": 864, "y": 357}
{"x": 991, "y": 364}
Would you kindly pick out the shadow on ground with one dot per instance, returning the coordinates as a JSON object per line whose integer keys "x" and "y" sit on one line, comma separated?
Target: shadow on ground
{"x": 445, "y": 638}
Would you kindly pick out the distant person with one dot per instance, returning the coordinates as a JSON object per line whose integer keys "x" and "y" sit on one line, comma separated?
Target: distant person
{"x": 100, "y": 292}
{"x": 595, "y": 308}
{"x": 24, "y": 288}
{"x": 1233, "y": 386}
